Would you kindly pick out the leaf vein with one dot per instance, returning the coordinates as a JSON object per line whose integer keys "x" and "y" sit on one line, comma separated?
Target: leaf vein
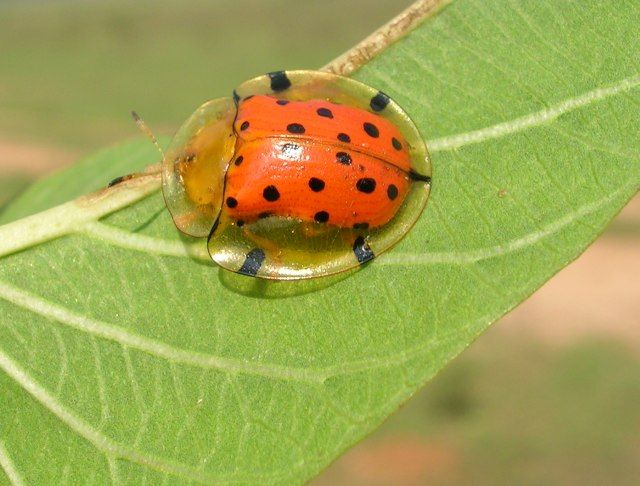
{"x": 533, "y": 119}
{"x": 9, "y": 467}
{"x": 473, "y": 256}
{"x": 101, "y": 442}
{"x": 151, "y": 346}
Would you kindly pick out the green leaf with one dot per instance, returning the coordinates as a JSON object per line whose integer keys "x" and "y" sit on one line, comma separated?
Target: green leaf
{"x": 127, "y": 356}
{"x": 10, "y": 186}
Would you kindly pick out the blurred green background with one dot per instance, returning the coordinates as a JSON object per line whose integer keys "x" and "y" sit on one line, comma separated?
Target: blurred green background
{"x": 549, "y": 395}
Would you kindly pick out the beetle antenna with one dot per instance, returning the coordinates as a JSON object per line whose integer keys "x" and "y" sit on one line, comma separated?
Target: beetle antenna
{"x": 147, "y": 131}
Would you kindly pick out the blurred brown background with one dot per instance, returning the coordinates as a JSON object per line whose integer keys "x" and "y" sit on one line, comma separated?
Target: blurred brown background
{"x": 550, "y": 394}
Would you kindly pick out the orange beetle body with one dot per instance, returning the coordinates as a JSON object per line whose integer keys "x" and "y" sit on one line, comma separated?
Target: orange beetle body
{"x": 301, "y": 174}
{"x": 316, "y": 161}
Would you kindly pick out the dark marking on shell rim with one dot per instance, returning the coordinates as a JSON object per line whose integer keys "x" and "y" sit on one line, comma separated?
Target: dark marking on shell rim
{"x": 252, "y": 263}
{"x": 362, "y": 250}
{"x": 279, "y": 81}
{"x": 415, "y": 176}
{"x": 379, "y": 102}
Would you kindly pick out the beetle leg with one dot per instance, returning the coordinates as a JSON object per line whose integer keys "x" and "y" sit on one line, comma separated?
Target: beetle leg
{"x": 120, "y": 179}
{"x": 264, "y": 243}
{"x": 311, "y": 230}
{"x": 152, "y": 169}
{"x": 186, "y": 219}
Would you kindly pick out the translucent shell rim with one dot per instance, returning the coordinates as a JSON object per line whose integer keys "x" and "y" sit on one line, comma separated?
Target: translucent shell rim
{"x": 210, "y": 126}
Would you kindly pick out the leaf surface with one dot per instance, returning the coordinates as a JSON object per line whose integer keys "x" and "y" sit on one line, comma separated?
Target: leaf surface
{"x": 127, "y": 356}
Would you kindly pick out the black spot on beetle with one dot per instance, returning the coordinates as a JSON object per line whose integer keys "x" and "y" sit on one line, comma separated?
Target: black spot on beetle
{"x": 239, "y": 160}
{"x": 343, "y": 158}
{"x": 396, "y": 143}
{"x": 321, "y": 217}
{"x": 392, "y": 191}
{"x": 244, "y": 126}
{"x": 279, "y": 81}
{"x": 295, "y": 128}
{"x": 379, "y": 102}
{"x": 371, "y": 129}
{"x": 343, "y": 137}
{"x": 282, "y": 102}
{"x": 316, "y": 185}
{"x": 366, "y": 185}
{"x": 271, "y": 193}
{"x": 324, "y": 112}
{"x": 232, "y": 202}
